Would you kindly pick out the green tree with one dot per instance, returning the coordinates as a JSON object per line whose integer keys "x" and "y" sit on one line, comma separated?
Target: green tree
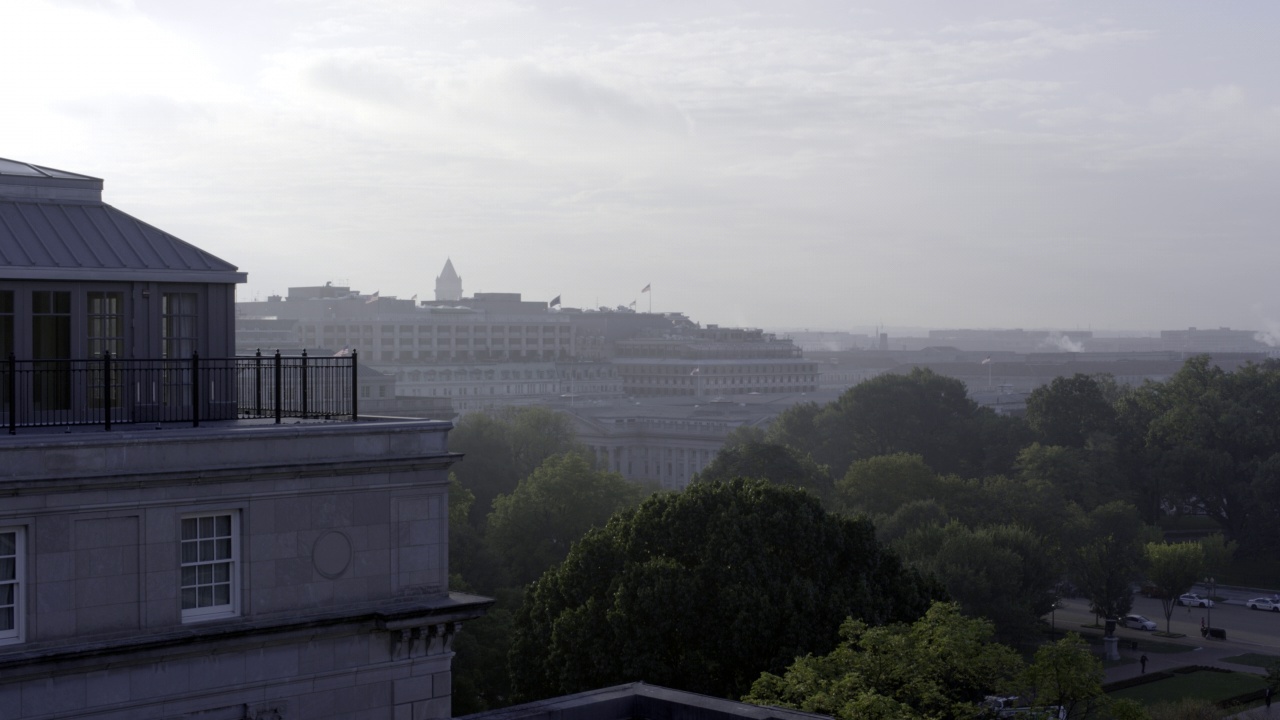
{"x": 1069, "y": 410}
{"x": 1070, "y": 470}
{"x": 1214, "y": 437}
{"x": 744, "y": 434}
{"x": 940, "y": 666}
{"x": 920, "y": 413}
{"x": 1172, "y": 568}
{"x": 504, "y": 447}
{"x": 704, "y": 590}
{"x": 1000, "y": 572}
{"x": 1106, "y": 556}
{"x": 797, "y": 428}
{"x": 881, "y": 485}
{"x": 1065, "y": 674}
{"x": 774, "y": 462}
{"x": 532, "y": 528}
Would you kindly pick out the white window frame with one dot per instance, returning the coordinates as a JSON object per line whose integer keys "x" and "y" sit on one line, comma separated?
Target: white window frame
{"x": 210, "y": 612}
{"x": 17, "y": 633}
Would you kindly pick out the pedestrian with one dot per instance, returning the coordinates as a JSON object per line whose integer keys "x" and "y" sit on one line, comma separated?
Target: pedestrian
{"x": 1267, "y": 695}
{"x": 1143, "y": 660}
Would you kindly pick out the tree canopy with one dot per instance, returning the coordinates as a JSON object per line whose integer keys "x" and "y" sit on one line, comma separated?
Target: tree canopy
{"x": 532, "y": 528}
{"x": 504, "y": 447}
{"x": 1172, "y": 568}
{"x": 774, "y": 462}
{"x": 704, "y": 590}
{"x": 940, "y": 666}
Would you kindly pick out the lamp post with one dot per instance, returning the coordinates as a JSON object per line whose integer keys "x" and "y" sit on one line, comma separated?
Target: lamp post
{"x": 1209, "y": 605}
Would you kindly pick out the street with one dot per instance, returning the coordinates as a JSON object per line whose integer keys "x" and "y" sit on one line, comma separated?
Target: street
{"x": 1248, "y": 630}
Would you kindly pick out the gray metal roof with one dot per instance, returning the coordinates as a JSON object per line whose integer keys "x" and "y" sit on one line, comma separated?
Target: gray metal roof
{"x": 54, "y": 226}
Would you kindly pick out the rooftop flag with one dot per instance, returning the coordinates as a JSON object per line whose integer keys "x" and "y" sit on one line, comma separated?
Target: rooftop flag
{"x": 373, "y": 297}
{"x": 987, "y": 361}
{"x": 646, "y": 289}
{"x": 554, "y": 301}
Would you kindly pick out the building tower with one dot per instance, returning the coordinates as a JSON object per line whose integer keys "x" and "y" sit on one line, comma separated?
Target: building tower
{"x": 448, "y": 284}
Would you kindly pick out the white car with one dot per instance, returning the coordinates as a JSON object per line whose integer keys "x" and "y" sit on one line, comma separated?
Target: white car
{"x": 1138, "y": 622}
{"x": 1195, "y": 600}
{"x": 1263, "y": 603}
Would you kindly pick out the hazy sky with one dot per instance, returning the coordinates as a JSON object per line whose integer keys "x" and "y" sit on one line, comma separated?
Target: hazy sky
{"x": 1029, "y": 163}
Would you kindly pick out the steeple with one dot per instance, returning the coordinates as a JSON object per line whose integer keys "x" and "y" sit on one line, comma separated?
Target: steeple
{"x": 448, "y": 284}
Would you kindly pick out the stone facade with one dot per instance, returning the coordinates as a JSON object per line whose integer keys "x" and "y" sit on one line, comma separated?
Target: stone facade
{"x": 334, "y": 600}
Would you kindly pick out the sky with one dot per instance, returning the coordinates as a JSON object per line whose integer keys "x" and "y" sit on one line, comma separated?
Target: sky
{"x": 822, "y": 165}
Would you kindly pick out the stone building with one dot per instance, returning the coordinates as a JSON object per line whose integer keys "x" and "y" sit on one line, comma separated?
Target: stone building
{"x": 213, "y": 568}
{"x": 713, "y": 361}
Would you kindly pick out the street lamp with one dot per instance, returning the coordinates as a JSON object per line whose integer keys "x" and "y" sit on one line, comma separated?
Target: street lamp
{"x": 1209, "y": 605}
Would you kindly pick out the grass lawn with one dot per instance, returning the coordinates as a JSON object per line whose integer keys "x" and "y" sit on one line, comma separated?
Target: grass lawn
{"x": 1254, "y": 659}
{"x": 1211, "y": 686}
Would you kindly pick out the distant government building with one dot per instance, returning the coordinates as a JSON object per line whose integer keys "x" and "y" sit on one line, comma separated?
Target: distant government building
{"x": 652, "y": 395}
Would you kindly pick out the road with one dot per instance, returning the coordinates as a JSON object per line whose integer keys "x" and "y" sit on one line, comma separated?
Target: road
{"x": 1249, "y": 630}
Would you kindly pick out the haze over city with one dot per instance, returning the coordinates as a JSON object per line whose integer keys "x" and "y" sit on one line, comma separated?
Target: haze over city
{"x": 834, "y": 165}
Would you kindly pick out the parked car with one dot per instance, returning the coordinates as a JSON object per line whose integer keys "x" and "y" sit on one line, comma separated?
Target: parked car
{"x": 1195, "y": 600}
{"x": 1263, "y": 603}
{"x": 1138, "y": 622}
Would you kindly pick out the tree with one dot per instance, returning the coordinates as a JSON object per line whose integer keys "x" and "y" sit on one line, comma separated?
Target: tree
{"x": 920, "y": 413}
{"x": 1107, "y": 553}
{"x": 769, "y": 461}
{"x": 704, "y": 590}
{"x": 881, "y": 485}
{"x": 1214, "y": 435}
{"x": 1070, "y": 470}
{"x": 1172, "y": 568}
{"x": 1000, "y": 572}
{"x": 1068, "y": 411}
{"x": 1065, "y": 674}
{"x": 504, "y": 447}
{"x": 796, "y": 427}
{"x": 940, "y": 666}
{"x": 532, "y": 528}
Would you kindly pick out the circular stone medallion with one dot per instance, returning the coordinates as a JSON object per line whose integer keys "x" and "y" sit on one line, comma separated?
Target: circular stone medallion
{"x": 331, "y": 554}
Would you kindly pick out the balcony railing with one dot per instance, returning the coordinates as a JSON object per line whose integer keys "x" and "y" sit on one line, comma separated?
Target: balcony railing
{"x": 107, "y": 391}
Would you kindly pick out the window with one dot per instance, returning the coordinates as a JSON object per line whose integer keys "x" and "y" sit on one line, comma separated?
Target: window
{"x": 12, "y": 572}
{"x": 210, "y": 556}
{"x": 178, "y": 325}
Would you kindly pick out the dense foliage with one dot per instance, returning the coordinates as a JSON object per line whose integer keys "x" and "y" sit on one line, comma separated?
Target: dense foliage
{"x": 704, "y": 590}
{"x": 940, "y": 666}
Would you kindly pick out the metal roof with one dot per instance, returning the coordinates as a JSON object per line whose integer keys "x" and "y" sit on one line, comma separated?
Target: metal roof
{"x": 54, "y": 226}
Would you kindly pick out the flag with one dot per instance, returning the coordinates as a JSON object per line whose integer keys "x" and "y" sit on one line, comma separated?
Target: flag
{"x": 633, "y": 303}
{"x": 554, "y": 301}
{"x": 414, "y": 298}
{"x": 344, "y": 352}
{"x": 646, "y": 289}
{"x": 696, "y": 371}
{"x": 987, "y": 361}
{"x": 373, "y": 297}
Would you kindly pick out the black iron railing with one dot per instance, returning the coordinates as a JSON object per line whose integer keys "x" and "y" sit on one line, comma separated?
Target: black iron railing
{"x": 107, "y": 390}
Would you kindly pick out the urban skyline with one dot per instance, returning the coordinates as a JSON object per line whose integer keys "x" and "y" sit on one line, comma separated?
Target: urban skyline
{"x": 996, "y": 164}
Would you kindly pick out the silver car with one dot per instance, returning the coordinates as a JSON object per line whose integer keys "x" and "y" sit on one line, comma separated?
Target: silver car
{"x": 1138, "y": 622}
{"x": 1195, "y": 600}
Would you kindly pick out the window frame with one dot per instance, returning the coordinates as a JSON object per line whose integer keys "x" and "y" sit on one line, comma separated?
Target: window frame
{"x": 17, "y": 634}
{"x": 212, "y": 612}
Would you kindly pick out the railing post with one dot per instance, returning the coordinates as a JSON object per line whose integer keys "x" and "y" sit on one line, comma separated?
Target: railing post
{"x": 13, "y": 394}
{"x": 195, "y": 389}
{"x": 355, "y": 387}
{"x": 304, "y": 383}
{"x": 279, "y": 390}
{"x": 106, "y": 387}
{"x": 257, "y": 384}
